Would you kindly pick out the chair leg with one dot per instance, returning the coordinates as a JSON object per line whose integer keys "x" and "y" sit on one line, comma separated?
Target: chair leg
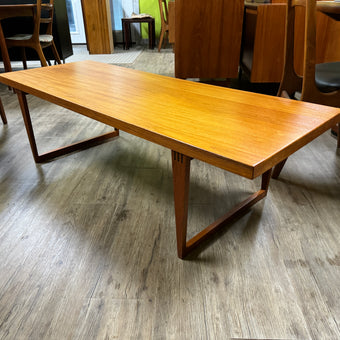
{"x": 161, "y": 39}
{"x": 166, "y": 38}
{"x": 55, "y": 53}
{"x": 23, "y": 57}
{"x": 41, "y": 55}
{"x": 338, "y": 146}
{"x": 2, "y": 113}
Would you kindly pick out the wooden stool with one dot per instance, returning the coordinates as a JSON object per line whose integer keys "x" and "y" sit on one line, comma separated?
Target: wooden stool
{"x": 127, "y": 30}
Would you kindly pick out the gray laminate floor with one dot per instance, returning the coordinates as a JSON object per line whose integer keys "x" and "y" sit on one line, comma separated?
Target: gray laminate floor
{"x": 88, "y": 248}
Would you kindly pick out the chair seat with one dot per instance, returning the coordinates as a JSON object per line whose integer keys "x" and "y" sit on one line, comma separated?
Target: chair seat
{"x": 43, "y": 38}
{"x": 20, "y": 37}
{"x": 327, "y": 76}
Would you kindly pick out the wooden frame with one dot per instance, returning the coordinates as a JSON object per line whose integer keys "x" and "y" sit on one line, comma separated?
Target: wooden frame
{"x": 85, "y": 144}
{"x": 262, "y": 41}
{"x": 181, "y": 179}
{"x": 164, "y": 13}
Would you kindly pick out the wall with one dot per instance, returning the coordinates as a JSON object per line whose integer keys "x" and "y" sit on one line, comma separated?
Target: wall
{"x": 150, "y": 7}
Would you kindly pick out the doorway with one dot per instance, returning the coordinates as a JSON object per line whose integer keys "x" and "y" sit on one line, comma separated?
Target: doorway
{"x": 76, "y": 22}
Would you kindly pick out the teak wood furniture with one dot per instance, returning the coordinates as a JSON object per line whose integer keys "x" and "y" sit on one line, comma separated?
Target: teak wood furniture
{"x": 262, "y": 56}
{"x": 208, "y": 38}
{"x": 61, "y": 30}
{"x": 38, "y": 38}
{"x": 263, "y": 41}
{"x": 10, "y": 11}
{"x": 320, "y": 83}
{"x": 126, "y": 26}
{"x": 244, "y": 133}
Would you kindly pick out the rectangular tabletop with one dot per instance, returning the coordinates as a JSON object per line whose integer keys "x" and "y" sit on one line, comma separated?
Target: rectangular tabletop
{"x": 242, "y": 132}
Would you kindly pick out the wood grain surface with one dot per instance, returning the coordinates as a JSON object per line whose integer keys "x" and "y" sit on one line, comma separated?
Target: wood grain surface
{"x": 264, "y": 35}
{"x": 98, "y": 27}
{"x": 208, "y": 38}
{"x": 87, "y": 242}
{"x": 245, "y": 133}
{"x": 268, "y": 48}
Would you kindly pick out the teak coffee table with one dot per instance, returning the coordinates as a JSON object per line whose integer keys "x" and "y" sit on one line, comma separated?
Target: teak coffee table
{"x": 241, "y": 132}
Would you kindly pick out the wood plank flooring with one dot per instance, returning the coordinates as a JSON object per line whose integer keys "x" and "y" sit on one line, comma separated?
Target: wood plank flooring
{"x": 88, "y": 247}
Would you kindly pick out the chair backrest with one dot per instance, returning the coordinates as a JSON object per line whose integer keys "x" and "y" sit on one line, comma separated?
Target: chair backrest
{"x": 163, "y": 8}
{"x": 309, "y": 87}
{"x": 46, "y": 16}
{"x": 291, "y": 82}
{"x": 43, "y": 16}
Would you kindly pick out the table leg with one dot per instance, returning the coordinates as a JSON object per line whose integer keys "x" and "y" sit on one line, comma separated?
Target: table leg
{"x": 278, "y": 168}
{"x": 63, "y": 150}
{"x": 127, "y": 34}
{"x": 151, "y": 28}
{"x": 124, "y": 35}
{"x": 181, "y": 179}
{"x": 2, "y": 113}
{"x": 149, "y": 35}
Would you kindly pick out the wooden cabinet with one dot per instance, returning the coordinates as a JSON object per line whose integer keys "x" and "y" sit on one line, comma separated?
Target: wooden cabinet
{"x": 327, "y": 40}
{"x": 263, "y": 41}
{"x": 262, "y": 54}
{"x": 98, "y": 27}
{"x": 208, "y": 38}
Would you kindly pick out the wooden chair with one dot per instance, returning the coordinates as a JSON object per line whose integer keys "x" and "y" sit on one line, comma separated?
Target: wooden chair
{"x": 37, "y": 40}
{"x": 163, "y": 8}
{"x": 2, "y": 113}
{"x": 320, "y": 83}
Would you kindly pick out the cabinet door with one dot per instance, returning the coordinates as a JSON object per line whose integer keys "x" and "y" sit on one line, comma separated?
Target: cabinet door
{"x": 98, "y": 27}
{"x": 268, "y": 53}
{"x": 208, "y": 38}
